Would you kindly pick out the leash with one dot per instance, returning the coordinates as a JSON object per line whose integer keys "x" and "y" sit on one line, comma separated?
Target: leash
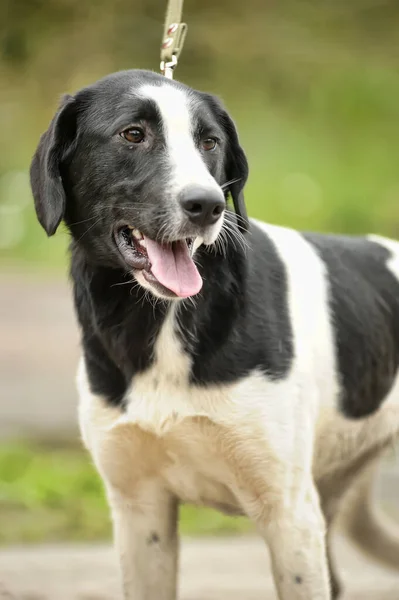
{"x": 173, "y": 37}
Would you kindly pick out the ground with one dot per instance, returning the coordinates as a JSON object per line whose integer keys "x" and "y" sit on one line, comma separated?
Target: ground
{"x": 221, "y": 569}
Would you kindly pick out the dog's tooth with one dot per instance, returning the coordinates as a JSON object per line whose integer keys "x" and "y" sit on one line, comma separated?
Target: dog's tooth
{"x": 142, "y": 243}
{"x": 137, "y": 234}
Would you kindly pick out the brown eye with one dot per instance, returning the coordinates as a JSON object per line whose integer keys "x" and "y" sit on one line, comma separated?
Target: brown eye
{"x": 134, "y": 135}
{"x": 209, "y": 144}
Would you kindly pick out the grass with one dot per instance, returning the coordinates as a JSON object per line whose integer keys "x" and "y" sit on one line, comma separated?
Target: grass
{"x": 54, "y": 493}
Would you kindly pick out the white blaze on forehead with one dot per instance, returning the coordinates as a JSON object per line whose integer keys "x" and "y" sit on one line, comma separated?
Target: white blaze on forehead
{"x": 175, "y": 107}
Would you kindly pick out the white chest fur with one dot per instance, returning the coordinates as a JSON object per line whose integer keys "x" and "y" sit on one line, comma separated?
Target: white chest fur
{"x": 162, "y": 397}
{"x": 192, "y": 423}
{"x": 194, "y": 432}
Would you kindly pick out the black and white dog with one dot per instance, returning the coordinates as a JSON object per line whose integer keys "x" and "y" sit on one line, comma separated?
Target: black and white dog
{"x": 226, "y": 362}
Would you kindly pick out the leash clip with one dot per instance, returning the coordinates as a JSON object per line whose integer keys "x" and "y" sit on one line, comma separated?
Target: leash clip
{"x": 167, "y": 67}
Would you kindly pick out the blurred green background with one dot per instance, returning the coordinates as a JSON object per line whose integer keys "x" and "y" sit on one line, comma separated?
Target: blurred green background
{"x": 313, "y": 87}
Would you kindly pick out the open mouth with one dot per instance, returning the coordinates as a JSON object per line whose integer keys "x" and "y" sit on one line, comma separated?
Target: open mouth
{"x": 168, "y": 267}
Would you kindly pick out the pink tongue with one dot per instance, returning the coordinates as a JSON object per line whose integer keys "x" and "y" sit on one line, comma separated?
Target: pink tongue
{"x": 174, "y": 268}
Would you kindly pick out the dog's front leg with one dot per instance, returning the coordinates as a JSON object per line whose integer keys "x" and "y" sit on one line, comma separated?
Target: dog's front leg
{"x": 145, "y": 534}
{"x": 272, "y": 467}
{"x": 144, "y": 513}
{"x": 292, "y": 524}
{"x": 296, "y": 538}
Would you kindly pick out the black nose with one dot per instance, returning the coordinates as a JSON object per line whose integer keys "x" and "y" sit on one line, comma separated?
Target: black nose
{"x": 202, "y": 206}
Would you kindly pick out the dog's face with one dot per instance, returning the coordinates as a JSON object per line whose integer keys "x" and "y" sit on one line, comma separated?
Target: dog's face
{"x": 140, "y": 167}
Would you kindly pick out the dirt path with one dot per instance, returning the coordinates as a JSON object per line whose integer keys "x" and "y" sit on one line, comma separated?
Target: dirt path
{"x": 39, "y": 350}
{"x": 227, "y": 569}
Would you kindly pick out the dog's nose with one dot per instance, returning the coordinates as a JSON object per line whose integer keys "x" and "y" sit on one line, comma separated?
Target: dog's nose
{"x": 202, "y": 206}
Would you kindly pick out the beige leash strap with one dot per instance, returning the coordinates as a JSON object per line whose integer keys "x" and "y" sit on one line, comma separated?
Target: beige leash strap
{"x": 173, "y": 37}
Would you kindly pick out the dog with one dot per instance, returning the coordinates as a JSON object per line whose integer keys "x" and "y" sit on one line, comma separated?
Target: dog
{"x": 226, "y": 362}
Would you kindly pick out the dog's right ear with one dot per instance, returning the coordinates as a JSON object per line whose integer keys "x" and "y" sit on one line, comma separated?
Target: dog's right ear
{"x": 45, "y": 175}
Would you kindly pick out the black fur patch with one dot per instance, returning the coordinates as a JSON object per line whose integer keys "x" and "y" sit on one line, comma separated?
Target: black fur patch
{"x": 119, "y": 327}
{"x": 241, "y": 321}
{"x": 364, "y": 302}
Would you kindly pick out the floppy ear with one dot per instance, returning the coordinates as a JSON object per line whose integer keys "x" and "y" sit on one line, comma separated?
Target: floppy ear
{"x": 45, "y": 175}
{"x": 236, "y": 170}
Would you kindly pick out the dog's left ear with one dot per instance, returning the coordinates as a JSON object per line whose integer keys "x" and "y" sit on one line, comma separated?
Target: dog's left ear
{"x": 236, "y": 171}
{"x": 236, "y": 167}
{"x": 236, "y": 164}
{"x": 45, "y": 175}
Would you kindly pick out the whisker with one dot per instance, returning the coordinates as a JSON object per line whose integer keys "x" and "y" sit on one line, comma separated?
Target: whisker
{"x": 84, "y": 221}
{"x": 165, "y": 232}
{"x": 231, "y": 226}
{"x": 221, "y": 243}
{"x": 229, "y": 234}
{"x": 124, "y": 282}
{"x": 233, "y": 217}
{"x": 237, "y": 239}
{"x": 224, "y": 185}
{"x": 134, "y": 286}
{"x": 91, "y": 227}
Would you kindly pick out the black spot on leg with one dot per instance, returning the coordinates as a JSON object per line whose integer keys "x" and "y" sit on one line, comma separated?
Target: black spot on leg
{"x": 298, "y": 579}
{"x": 153, "y": 538}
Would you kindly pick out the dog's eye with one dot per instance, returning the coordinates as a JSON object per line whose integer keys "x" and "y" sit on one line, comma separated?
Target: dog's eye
{"x": 134, "y": 135}
{"x": 209, "y": 144}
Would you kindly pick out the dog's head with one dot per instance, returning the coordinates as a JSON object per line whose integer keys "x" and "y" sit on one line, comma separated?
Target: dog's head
{"x": 140, "y": 167}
